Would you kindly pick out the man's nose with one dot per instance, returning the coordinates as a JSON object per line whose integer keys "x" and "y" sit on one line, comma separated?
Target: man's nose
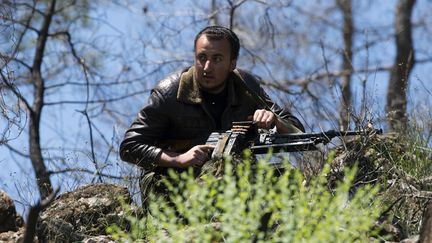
{"x": 208, "y": 65}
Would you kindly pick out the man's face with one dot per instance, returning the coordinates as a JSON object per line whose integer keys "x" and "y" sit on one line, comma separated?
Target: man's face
{"x": 213, "y": 63}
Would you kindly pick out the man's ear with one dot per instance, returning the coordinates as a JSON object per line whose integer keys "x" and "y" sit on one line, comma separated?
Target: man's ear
{"x": 233, "y": 64}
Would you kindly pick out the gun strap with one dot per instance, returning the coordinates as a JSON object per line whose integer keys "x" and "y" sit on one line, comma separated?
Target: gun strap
{"x": 261, "y": 102}
{"x": 256, "y": 97}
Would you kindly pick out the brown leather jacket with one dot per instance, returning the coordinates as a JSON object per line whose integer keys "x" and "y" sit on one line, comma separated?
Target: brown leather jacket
{"x": 176, "y": 112}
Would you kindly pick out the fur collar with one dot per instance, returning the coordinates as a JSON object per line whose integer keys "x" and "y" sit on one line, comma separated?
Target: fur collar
{"x": 188, "y": 90}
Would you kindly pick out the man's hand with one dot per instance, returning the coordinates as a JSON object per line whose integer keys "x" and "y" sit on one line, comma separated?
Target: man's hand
{"x": 196, "y": 156}
{"x": 264, "y": 119}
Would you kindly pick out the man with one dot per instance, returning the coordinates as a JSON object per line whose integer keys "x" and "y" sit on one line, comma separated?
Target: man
{"x": 183, "y": 109}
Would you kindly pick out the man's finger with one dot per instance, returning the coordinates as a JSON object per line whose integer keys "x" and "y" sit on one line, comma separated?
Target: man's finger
{"x": 270, "y": 120}
{"x": 258, "y": 116}
{"x": 207, "y": 147}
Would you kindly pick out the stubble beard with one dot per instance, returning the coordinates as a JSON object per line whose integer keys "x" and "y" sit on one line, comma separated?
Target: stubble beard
{"x": 210, "y": 88}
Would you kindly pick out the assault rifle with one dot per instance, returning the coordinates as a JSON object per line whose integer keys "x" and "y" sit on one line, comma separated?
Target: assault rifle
{"x": 245, "y": 134}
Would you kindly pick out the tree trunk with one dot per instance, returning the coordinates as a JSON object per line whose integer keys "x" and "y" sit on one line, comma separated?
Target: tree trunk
{"x": 348, "y": 30}
{"x": 426, "y": 228}
{"x": 399, "y": 74}
{"x": 42, "y": 175}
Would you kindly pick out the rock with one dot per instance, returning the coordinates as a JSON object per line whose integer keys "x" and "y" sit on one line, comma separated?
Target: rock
{"x": 83, "y": 213}
{"x": 412, "y": 239}
{"x": 9, "y": 220}
{"x": 99, "y": 239}
{"x": 13, "y": 236}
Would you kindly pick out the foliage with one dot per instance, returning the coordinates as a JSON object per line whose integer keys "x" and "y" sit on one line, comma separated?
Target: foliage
{"x": 401, "y": 165}
{"x": 406, "y": 178}
{"x": 253, "y": 201}
{"x": 416, "y": 159}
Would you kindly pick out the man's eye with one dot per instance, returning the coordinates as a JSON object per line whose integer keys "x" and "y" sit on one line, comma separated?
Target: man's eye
{"x": 202, "y": 58}
{"x": 218, "y": 59}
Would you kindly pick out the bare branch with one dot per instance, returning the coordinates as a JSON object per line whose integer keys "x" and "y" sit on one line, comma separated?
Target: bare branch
{"x": 100, "y": 101}
{"x": 94, "y": 173}
{"x": 14, "y": 90}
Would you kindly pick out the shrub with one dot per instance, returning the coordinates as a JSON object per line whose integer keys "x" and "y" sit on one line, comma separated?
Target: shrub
{"x": 255, "y": 202}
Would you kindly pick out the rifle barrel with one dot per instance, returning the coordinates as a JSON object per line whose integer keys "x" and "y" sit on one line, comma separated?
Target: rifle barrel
{"x": 328, "y": 134}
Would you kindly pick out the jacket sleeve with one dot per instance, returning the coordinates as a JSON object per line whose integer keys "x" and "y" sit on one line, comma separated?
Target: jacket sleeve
{"x": 138, "y": 146}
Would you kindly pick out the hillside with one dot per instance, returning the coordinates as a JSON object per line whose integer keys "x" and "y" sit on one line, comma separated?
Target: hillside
{"x": 401, "y": 204}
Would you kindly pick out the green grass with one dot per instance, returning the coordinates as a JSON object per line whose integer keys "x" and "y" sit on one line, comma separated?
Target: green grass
{"x": 416, "y": 158}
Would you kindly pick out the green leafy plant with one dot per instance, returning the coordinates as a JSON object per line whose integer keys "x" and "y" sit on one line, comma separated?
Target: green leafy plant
{"x": 255, "y": 202}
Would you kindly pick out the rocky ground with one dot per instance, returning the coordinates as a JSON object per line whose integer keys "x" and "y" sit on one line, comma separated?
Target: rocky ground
{"x": 81, "y": 215}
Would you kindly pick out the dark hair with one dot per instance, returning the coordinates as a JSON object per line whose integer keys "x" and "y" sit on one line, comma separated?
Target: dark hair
{"x": 221, "y": 33}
